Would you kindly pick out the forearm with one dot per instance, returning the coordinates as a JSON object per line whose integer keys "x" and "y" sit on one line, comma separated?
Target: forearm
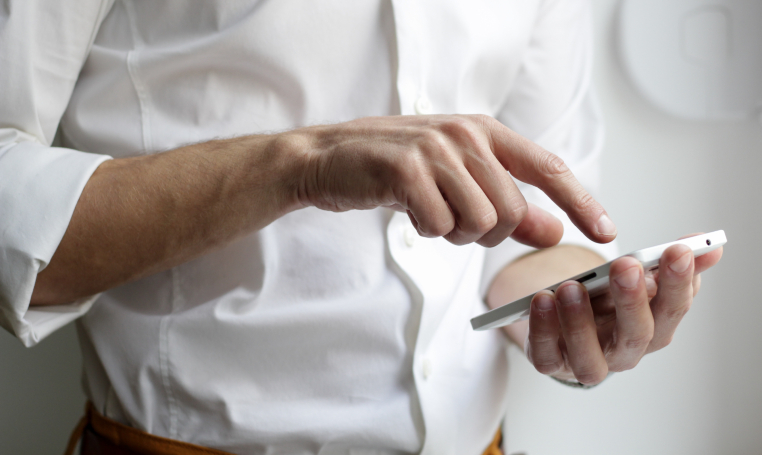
{"x": 140, "y": 215}
{"x": 137, "y": 216}
{"x": 536, "y": 271}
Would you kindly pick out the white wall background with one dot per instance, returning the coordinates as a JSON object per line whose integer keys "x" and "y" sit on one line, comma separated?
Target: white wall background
{"x": 664, "y": 177}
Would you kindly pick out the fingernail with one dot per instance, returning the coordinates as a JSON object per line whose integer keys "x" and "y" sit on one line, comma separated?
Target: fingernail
{"x": 544, "y": 302}
{"x": 569, "y": 295}
{"x": 629, "y": 278}
{"x": 682, "y": 264}
{"x": 605, "y": 226}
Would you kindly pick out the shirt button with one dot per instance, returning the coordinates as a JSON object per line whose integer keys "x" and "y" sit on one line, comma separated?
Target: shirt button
{"x": 423, "y": 106}
{"x": 410, "y": 236}
{"x": 426, "y": 368}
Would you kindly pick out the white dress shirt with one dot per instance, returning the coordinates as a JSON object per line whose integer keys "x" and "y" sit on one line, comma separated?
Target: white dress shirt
{"x": 329, "y": 333}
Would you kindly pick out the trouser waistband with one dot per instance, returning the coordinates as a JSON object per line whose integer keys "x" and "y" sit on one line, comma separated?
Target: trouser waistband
{"x": 100, "y": 435}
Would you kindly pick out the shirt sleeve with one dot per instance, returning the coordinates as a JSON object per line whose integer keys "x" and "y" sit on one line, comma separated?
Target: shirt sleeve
{"x": 553, "y": 104}
{"x": 43, "y": 45}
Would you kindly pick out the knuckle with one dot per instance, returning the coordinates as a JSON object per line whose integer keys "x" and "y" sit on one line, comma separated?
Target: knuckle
{"x": 538, "y": 338}
{"x": 457, "y": 236}
{"x": 592, "y": 376}
{"x": 624, "y": 365}
{"x": 483, "y": 122}
{"x": 576, "y": 330}
{"x": 584, "y": 202}
{"x": 633, "y": 306}
{"x": 485, "y": 223}
{"x": 490, "y": 241}
{"x": 479, "y": 223}
{"x": 547, "y": 367}
{"x": 534, "y": 339}
{"x": 678, "y": 312}
{"x": 434, "y": 142}
{"x": 515, "y": 213}
{"x": 676, "y": 284}
{"x": 483, "y": 119}
{"x": 661, "y": 343}
{"x": 552, "y": 164}
{"x": 638, "y": 343}
{"x": 456, "y": 123}
{"x": 438, "y": 230}
{"x": 463, "y": 129}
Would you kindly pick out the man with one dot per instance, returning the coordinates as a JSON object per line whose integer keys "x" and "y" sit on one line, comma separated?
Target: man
{"x": 276, "y": 287}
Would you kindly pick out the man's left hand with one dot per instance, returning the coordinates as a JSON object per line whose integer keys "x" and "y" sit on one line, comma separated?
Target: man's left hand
{"x": 573, "y": 337}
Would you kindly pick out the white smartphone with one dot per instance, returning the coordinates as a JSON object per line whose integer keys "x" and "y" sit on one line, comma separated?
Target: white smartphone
{"x": 596, "y": 280}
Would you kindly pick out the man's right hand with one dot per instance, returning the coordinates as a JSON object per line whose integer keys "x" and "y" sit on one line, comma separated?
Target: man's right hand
{"x": 137, "y": 216}
{"x": 449, "y": 173}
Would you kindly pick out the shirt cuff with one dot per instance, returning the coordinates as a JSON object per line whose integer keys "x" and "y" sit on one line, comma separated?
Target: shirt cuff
{"x": 40, "y": 321}
{"x": 39, "y": 188}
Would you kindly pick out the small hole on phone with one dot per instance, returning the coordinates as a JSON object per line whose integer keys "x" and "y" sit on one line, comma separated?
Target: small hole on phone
{"x": 708, "y": 242}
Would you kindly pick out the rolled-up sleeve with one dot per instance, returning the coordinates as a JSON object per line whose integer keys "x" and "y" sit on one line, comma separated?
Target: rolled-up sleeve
{"x": 43, "y": 45}
{"x": 552, "y": 103}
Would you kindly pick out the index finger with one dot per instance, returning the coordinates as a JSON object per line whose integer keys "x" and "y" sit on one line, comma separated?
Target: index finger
{"x": 534, "y": 165}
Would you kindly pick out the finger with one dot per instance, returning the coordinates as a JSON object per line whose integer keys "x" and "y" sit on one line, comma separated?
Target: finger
{"x": 584, "y": 353}
{"x": 524, "y": 222}
{"x": 474, "y": 213}
{"x": 634, "y": 322}
{"x": 539, "y": 229}
{"x": 705, "y": 261}
{"x": 427, "y": 210}
{"x": 542, "y": 341}
{"x": 652, "y": 279}
{"x": 506, "y": 199}
{"x": 532, "y": 164}
{"x": 396, "y": 207}
{"x": 696, "y": 283}
{"x": 675, "y": 294}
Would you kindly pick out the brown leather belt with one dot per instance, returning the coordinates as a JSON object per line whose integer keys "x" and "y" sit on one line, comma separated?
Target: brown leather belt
{"x": 103, "y": 436}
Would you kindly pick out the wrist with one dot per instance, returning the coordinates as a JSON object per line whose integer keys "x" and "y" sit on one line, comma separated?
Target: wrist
{"x": 255, "y": 179}
{"x": 277, "y": 165}
{"x": 294, "y": 155}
